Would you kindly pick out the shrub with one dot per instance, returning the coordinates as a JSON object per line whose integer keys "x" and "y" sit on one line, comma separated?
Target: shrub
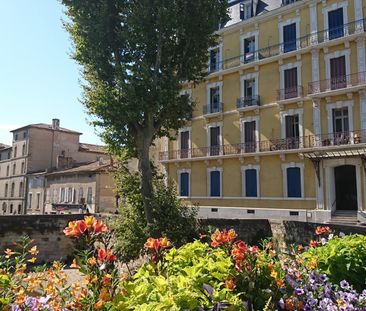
{"x": 173, "y": 218}
{"x": 342, "y": 258}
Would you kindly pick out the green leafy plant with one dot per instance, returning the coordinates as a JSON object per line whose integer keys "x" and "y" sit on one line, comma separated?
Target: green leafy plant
{"x": 342, "y": 258}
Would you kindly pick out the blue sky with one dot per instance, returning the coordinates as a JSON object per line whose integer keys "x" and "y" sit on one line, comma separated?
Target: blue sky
{"x": 38, "y": 79}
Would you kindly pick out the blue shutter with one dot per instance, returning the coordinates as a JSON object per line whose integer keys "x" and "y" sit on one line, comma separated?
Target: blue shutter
{"x": 184, "y": 184}
{"x": 289, "y": 37}
{"x": 251, "y": 183}
{"x": 293, "y": 182}
{"x": 215, "y": 184}
{"x": 336, "y": 24}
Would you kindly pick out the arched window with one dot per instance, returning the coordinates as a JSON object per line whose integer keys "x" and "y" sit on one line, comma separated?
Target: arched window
{"x": 23, "y": 168}
{"x": 15, "y": 152}
{"x": 12, "y": 190}
{"x": 19, "y": 209}
{"x": 6, "y": 190}
{"x": 23, "y": 150}
{"x": 4, "y": 208}
{"x": 21, "y": 189}
{"x": 14, "y": 168}
{"x": 7, "y": 170}
{"x": 11, "y": 209}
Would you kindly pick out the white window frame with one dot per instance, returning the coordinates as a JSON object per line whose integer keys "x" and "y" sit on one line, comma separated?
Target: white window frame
{"x": 291, "y": 112}
{"x": 247, "y": 35}
{"x": 297, "y": 65}
{"x": 209, "y": 170}
{"x": 338, "y": 105}
{"x": 189, "y": 130}
{"x": 246, "y": 4}
{"x": 243, "y": 170}
{"x": 327, "y": 57}
{"x": 242, "y": 130}
{"x": 179, "y": 172}
{"x": 250, "y": 76}
{"x": 208, "y": 129}
{"x": 287, "y": 22}
{"x": 209, "y": 86}
{"x": 332, "y": 7}
{"x": 219, "y": 47}
{"x": 285, "y": 166}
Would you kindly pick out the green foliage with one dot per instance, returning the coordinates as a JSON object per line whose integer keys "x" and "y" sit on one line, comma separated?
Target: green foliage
{"x": 187, "y": 271}
{"x": 173, "y": 219}
{"x": 342, "y": 259}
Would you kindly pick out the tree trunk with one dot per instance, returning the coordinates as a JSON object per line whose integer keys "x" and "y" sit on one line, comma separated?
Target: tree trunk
{"x": 146, "y": 179}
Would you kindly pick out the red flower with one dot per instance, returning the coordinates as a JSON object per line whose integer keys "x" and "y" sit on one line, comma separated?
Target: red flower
{"x": 102, "y": 254}
{"x": 99, "y": 227}
{"x": 313, "y": 243}
{"x": 320, "y": 230}
{"x": 152, "y": 243}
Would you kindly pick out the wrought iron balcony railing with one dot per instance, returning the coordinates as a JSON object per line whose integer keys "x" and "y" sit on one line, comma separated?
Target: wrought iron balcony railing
{"x": 290, "y": 92}
{"x": 290, "y": 143}
{"x": 247, "y": 101}
{"x": 298, "y": 44}
{"x": 213, "y": 108}
{"x": 337, "y": 83}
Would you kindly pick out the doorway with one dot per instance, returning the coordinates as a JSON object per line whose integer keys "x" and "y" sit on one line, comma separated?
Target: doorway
{"x": 345, "y": 188}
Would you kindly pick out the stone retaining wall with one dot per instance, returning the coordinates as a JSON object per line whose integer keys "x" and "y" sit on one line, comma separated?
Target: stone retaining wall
{"x": 47, "y": 231}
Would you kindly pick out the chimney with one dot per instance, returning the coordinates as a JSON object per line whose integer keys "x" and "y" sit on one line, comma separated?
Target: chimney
{"x": 55, "y": 124}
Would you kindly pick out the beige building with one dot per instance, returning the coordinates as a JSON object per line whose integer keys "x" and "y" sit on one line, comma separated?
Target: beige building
{"x": 82, "y": 188}
{"x": 37, "y": 149}
{"x": 279, "y": 127}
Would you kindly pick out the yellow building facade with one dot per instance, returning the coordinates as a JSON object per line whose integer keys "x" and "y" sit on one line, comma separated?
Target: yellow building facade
{"x": 279, "y": 127}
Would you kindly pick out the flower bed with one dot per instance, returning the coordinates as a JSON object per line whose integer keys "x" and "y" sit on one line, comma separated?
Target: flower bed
{"x": 217, "y": 272}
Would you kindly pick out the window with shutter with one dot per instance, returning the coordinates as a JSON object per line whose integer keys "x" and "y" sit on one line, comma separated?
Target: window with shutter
{"x": 336, "y": 24}
{"x": 249, "y": 49}
{"x": 293, "y": 182}
{"x": 184, "y": 184}
{"x": 292, "y": 131}
{"x": 215, "y": 99}
{"x": 215, "y": 140}
{"x": 249, "y": 136}
{"x": 289, "y": 38}
{"x": 338, "y": 77}
{"x": 290, "y": 80}
{"x": 184, "y": 144}
{"x": 215, "y": 182}
{"x": 251, "y": 183}
{"x": 214, "y": 59}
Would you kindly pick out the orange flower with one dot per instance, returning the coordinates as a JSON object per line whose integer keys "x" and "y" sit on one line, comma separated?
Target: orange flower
{"x": 92, "y": 261}
{"x": 74, "y": 264}
{"x": 34, "y": 251}
{"x": 99, "y": 304}
{"x": 300, "y": 248}
{"x": 320, "y": 230}
{"x": 107, "y": 279}
{"x": 8, "y": 253}
{"x": 164, "y": 243}
{"x": 80, "y": 227}
{"x": 230, "y": 284}
{"x": 313, "y": 243}
{"x": 70, "y": 229}
{"x": 99, "y": 227}
{"x": 152, "y": 243}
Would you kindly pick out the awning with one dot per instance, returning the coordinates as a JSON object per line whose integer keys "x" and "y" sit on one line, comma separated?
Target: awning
{"x": 329, "y": 154}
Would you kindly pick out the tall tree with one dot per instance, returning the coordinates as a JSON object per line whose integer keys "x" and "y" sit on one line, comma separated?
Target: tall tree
{"x": 134, "y": 55}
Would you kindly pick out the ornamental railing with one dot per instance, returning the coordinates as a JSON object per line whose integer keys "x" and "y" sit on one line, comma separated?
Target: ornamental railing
{"x": 247, "y": 101}
{"x": 213, "y": 108}
{"x": 337, "y": 83}
{"x": 290, "y": 92}
{"x": 341, "y": 138}
{"x": 308, "y": 40}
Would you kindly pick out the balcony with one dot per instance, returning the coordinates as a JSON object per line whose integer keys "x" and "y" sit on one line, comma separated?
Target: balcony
{"x": 290, "y": 93}
{"x": 338, "y": 83}
{"x": 213, "y": 109}
{"x": 306, "y": 41}
{"x": 318, "y": 142}
{"x": 247, "y": 101}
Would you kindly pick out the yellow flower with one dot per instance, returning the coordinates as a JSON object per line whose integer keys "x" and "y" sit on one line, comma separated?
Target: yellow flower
{"x": 32, "y": 260}
{"x": 89, "y": 221}
{"x": 274, "y": 274}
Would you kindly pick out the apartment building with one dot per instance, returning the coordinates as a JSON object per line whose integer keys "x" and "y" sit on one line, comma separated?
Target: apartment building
{"x": 36, "y": 150}
{"x": 279, "y": 128}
